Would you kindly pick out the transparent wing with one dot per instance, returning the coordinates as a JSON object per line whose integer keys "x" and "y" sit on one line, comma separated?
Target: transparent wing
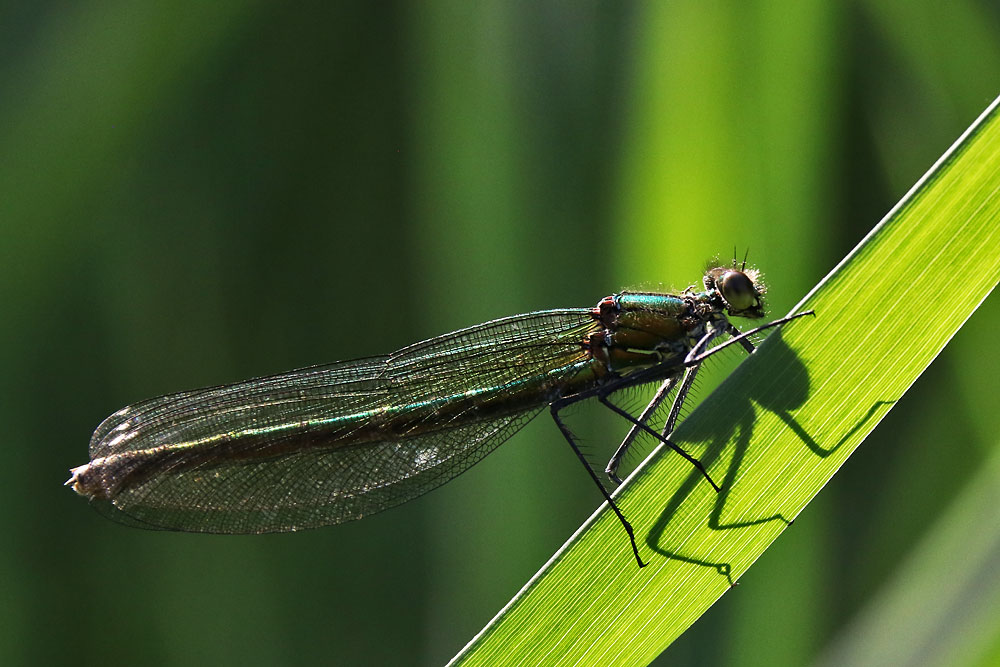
{"x": 291, "y": 469}
{"x": 308, "y": 489}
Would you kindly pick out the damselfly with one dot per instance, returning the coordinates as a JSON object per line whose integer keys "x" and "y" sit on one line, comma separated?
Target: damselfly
{"x": 332, "y": 443}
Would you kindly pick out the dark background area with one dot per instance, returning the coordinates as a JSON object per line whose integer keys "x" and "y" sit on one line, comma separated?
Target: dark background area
{"x": 197, "y": 193}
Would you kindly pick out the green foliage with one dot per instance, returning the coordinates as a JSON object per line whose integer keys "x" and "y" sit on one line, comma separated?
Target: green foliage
{"x": 196, "y": 193}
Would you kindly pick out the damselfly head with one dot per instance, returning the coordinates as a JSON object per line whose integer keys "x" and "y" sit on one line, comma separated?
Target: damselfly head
{"x": 741, "y": 290}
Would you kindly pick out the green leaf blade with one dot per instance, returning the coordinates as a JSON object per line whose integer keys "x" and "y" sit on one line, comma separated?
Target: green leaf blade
{"x": 775, "y": 431}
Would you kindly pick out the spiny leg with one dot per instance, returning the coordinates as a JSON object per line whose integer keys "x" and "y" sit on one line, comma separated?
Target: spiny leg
{"x": 702, "y": 344}
{"x": 675, "y": 409}
{"x": 641, "y": 423}
{"x": 687, "y": 457}
{"x": 668, "y": 385}
{"x": 647, "y": 413}
{"x": 554, "y": 408}
{"x": 693, "y": 362}
{"x": 742, "y": 339}
{"x": 735, "y": 333}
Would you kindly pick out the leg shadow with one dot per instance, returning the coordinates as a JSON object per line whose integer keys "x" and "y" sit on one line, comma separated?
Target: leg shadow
{"x": 738, "y": 433}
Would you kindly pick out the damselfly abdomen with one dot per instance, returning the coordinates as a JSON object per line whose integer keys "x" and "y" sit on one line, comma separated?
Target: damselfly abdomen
{"x": 332, "y": 443}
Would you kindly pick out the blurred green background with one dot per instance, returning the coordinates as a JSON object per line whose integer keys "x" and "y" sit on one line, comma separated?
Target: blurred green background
{"x": 197, "y": 193}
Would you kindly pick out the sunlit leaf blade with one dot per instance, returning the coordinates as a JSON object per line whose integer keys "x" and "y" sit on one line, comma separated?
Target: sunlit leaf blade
{"x": 775, "y": 431}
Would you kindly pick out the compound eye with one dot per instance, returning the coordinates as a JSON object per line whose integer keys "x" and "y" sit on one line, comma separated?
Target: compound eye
{"x": 737, "y": 289}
